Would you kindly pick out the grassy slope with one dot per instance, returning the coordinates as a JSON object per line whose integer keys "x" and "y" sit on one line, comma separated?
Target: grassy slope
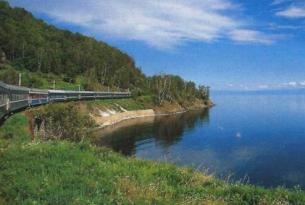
{"x": 35, "y": 172}
{"x": 15, "y": 131}
{"x": 139, "y": 103}
{"x": 38, "y": 80}
{"x": 43, "y": 80}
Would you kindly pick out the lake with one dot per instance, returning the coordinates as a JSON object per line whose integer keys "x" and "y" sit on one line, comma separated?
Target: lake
{"x": 253, "y": 138}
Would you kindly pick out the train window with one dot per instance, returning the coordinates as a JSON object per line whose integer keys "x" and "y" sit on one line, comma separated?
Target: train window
{"x": 17, "y": 97}
{"x": 38, "y": 96}
{"x": 3, "y": 98}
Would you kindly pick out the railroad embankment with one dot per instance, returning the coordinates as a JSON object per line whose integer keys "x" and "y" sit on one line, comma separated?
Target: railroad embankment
{"x": 112, "y": 114}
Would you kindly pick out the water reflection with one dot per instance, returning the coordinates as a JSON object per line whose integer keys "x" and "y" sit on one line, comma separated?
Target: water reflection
{"x": 168, "y": 130}
{"x": 163, "y": 130}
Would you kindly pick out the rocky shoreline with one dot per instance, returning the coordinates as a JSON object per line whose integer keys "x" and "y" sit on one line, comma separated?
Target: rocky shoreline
{"x": 109, "y": 117}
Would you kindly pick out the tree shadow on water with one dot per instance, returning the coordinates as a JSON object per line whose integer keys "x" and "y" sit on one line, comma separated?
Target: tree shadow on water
{"x": 165, "y": 131}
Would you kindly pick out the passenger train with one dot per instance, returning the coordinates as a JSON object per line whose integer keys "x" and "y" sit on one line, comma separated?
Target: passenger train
{"x": 13, "y": 98}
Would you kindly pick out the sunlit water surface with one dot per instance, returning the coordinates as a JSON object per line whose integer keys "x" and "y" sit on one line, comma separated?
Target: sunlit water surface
{"x": 257, "y": 138}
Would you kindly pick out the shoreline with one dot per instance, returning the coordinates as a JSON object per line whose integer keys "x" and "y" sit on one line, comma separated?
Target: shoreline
{"x": 117, "y": 118}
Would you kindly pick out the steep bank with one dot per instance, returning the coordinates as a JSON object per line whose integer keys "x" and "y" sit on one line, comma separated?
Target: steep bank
{"x": 106, "y": 116}
{"x": 115, "y": 118}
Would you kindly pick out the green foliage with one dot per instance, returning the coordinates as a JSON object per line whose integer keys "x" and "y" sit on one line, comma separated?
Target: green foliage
{"x": 64, "y": 121}
{"x": 33, "y": 80}
{"x": 9, "y": 75}
{"x": 32, "y": 44}
{"x": 174, "y": 88}
{"x": 66, "y": 173}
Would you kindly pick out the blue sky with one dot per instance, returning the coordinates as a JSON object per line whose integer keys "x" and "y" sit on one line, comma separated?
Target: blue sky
{"x": 227, "y": 44}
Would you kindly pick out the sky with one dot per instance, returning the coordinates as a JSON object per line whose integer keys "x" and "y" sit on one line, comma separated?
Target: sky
{"x": 226, "y": 44}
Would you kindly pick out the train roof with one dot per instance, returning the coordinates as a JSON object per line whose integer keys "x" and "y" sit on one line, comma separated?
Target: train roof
{"x": 84, "y": 92}
{"x": 38, "y": 91}
{"x": 70, "y": 91}
{"x": 13, "y": 87}
{"x": 56, "y": 91}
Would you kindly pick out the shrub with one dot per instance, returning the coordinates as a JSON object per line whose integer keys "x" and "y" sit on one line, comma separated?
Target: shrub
{"x": 9, "y": 75}
{"x": 64, "y": 121}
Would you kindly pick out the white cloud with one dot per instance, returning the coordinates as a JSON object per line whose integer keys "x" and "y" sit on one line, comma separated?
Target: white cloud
{"x": 274, "y": 26}
{"x": 292, "y": 12}
{"x": 162, "y": 24}
{"x": 245, "y": 35}
{"x": 302, "y": 83}
{"x": 263, "y": 86}
{"x": 268, "y": 86}
{"x": 293, "y": 84}
{"x": 277, "y": 2}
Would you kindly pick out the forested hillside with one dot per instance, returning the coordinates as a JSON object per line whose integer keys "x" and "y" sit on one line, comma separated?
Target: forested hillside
{"x": 38, "y": 47}
{"x": 47, "y": 53}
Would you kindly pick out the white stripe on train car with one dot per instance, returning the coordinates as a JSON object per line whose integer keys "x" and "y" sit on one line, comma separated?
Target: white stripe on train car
{"x": 57, "y": 98}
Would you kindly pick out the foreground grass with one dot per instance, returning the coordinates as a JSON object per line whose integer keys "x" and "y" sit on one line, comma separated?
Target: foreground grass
{"x": 67, "y": 173}
{"x": 61, "y": 172}
{"x": 15, "y": 131}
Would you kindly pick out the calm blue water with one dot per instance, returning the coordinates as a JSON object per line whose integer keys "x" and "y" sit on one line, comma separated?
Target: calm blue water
{"x": 257, "y": 138}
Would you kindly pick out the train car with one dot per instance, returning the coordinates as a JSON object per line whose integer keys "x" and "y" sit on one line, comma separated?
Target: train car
{"x": 87, "y": 95}
{"x": 102, "y": 95}
{"x": 73, "y": 95}
{"x": 120, "y": 94}
{"x": 80, "y": 95}
{"x": 61, "y": 95}
{"x": 38, "y": 97}
{"x": 13, "y": 98}
{"x": 18, "y": 97}
{"x": 4, "y": 100}
{"x": 57, "y": 95}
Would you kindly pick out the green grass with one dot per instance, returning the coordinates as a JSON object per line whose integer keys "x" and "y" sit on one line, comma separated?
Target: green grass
{"x": 139, "y": 103}
{"x": 10, "y": 74}
{"x": 67, "y": 173}
{"x": 15, "y": 130}
{"x": 37, "y": 79}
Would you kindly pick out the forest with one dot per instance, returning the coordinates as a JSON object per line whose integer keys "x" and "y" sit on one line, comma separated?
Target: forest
{"x": 45, "y": 53}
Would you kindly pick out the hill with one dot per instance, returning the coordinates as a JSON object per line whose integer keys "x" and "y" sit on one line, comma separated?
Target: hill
{"x": 44, "y": 53}
{"x": 32, "y": 44}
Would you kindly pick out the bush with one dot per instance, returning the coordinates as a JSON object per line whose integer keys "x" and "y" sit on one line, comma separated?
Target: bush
{"x": 9, "y": 75}
{"x": 64, "y": 121}
{"x": 35, "y": 81}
